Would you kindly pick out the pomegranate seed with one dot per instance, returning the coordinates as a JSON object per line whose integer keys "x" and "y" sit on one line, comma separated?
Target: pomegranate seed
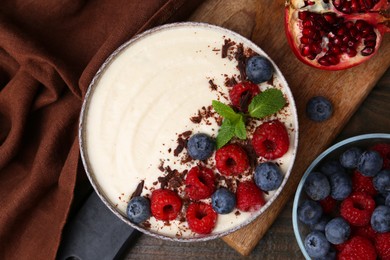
{"x": 345, "y": 39}
{"x": 371, "y": 37}
{"x": 323, "y": 61}
{"x": 351, "y": 43}
{"x": 317, "y": 36}
{"x": 335, "y": 50}
{"x": 333, "y": 60}
{"x": 344, "y": 48}
{"x": 367, "y": 51}
{"x": 305, "y": 51}
{"x": 303, "y": 15}
{"x": 355, "y": 7}
{"x": 353, "y": 32}
{"x": 361, "y": 24}
{"x": 368, "y": 43}
{"x": 337, "y": 3}
{"x": 367, "y": 31}
{"x": 307, "y": 23}
{"x": 309, "y": 32}
{"x": 330, "y": 18}
{"x": 351, "y": 52}
{"x": 311, "y": 56}
{"x": 341, "y": 31}
{"x": 338, "y": 40}
{"x": 306, "y": 40}
{"x": 316, "y": 48}
{"x": 348, "y": 25}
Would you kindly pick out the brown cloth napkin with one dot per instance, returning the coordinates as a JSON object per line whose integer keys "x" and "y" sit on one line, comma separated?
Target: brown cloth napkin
{"x": 49, "y": 52}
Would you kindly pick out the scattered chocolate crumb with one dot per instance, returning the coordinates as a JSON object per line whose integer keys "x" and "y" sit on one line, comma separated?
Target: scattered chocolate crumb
{"x": 213, "y": 86}
{"x": 138, "y": 190}
{"x": 155, "y": 183}
{"x": 196, "y": 119}
{"x": 245, "y": 99}
{"x": 169, "y": 150}
{"x": 271, "y": 80}
{"x": 237, "y": 213}
{"x": 230, "y": 81}
{"x": 147, "y": 224}
{"x": 161, "y": 166}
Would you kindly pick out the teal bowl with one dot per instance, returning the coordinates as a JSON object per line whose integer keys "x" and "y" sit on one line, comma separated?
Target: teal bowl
{"x": 333, "y": 152}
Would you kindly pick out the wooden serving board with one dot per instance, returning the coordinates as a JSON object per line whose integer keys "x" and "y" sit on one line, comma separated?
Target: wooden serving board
{"x": 263, "y": 23}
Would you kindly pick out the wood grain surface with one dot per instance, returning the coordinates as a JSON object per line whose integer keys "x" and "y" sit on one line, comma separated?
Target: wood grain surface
{"x": 263, "y": 23}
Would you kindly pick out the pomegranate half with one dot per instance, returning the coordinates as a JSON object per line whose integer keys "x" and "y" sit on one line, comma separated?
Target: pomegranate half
{"x": 336, "y": 34}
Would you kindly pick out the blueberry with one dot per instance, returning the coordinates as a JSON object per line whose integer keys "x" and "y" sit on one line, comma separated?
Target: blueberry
{"x": 268, "y": 176}
{"x": 331, "y": 255}
{"x": 309, "y": 212}
{"x": 382, "y": 181}
{"x": 340, "y": 185}
{"x": 316, "y": 244}
{"x": 387, "y": 201}
{"x": 223, "y": 201}
{"x": 317, "y": 186}
{"x": 380, "y": 219}
{"x": 331, "y": 167}
{"x": 337, "y": 231}
{"x": 320, "y": 226}
{"x": 138, "y": 209}
{"x": 319, "y": 109}
{"x": 259, "y": 69}
{"x": 349, "y": 159}
{"x": 370, "y": 163}
{"x": 200, "y": 146}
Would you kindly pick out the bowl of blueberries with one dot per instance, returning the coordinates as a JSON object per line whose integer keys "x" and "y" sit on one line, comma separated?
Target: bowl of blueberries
{"x": 341, "y": 207}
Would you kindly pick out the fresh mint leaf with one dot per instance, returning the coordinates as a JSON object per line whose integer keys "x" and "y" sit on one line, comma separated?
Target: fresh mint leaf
{"x": 266, "y": 103}
{"x": 239, "y": 129}
{"x": 225, "y": 111}
{"x": 225, "y": 133}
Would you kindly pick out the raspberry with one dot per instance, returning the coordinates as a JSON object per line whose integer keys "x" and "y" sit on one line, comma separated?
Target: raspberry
{"x": 382, "y": 245}
{"x": 361, "y": 183}
{"x": 270, "y": 140}
{"x": 165, "y": 204}
{"x": 366, "y": 232}
{"x": 249, "y": 196}
{"x": 201, "y": 217}
{"x": 242, "y": 94}
{"x": 200, "y": 183}
{"x": 328, "y": 204}
{"x": 357, "y": 209}
{"x": 358, "y": 248}
{"x": 384, "y": 150}
{"x": 231, "y": 160}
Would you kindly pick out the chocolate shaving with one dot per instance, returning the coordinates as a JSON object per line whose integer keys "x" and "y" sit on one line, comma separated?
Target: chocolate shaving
{"x": 245, "y": 99}
{"x": 138, "y": 190}
{"x": 196, "y": 119}
{"x": 181, "y": 144}
{"x": 241, "y": 59}
{"x": 225, "y": 47}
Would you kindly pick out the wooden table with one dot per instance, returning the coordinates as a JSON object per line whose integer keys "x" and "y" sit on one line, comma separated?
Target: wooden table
{"x": 373, "y": 116}
{"x": 262, "y": 21}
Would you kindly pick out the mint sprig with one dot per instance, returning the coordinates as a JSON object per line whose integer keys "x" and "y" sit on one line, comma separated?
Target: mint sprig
{"x": 264, "y": 104}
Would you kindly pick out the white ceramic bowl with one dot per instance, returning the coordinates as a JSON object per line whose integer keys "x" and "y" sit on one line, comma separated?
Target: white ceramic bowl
{"x": 364, "y": 141}
{"x": 87, "y": 130}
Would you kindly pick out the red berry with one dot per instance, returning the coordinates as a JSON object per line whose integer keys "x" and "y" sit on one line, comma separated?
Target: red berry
{"x": 357, "y": 209}
{"x": 361, "y": 183}
{"x": 384, "y": 150}
{"x": 249, "y": 197}
{"x": 358, "y": 248}
{"x": 200, "y": 183}
{"x": 165, "y": 204}
{"x": 382, "y": 245}
{"x": 231, "y": 160}
{"x": 328, "y": 204}
{"x": 366, "y": 232}
{"x": 242, "y": 94}
{"x": 270, "y": 140}
{"x": 201, "y": 217}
